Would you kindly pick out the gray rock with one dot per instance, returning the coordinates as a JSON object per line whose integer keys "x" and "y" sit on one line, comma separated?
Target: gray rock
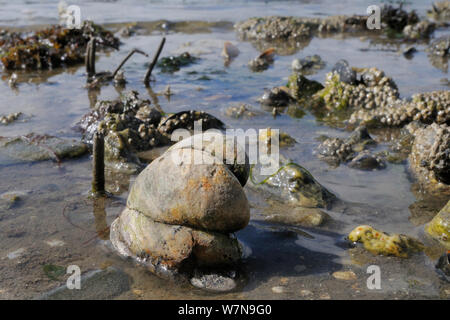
{"x": 345, "y": 72}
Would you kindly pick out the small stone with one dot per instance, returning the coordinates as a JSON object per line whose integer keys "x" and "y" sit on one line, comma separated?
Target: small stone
{"x": 16, "y": 254}
{"x": 344, "y": 275}
{"x": 278, "y": 289}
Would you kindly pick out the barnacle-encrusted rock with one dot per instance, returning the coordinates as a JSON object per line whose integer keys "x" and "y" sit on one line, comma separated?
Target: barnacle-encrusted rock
{"x": 337, "y": 150}
{"x": 52, "y": 47}
{"x": 276, "y": 27}
{"x": 36, "y": 147}
{"x": 378, "y": 242}
{"x": 430, "y": 157}
{"x": 372, "y": 89}
{"x": 180, "y": 214}
{"x": 293, "y": 183}
{"x": 439, "y": 227}
{"x": 130, "y": 126}
{"x": 426, "y": 107}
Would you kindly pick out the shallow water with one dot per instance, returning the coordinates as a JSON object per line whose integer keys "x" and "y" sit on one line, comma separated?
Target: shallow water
{"x": 55, "y": 206}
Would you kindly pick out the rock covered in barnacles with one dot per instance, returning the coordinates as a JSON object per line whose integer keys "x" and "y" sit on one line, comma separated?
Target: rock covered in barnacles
{"x": 131, "y": 126}
{"x": 293, "y": 183}
{"x": 263, "y": 61}
{"x": 378, "y": 242}
{"x": 276, "y": 27}
{"x": 426, "y": 107}
{"x": 430, "y": 157}
{"x": 337, "y": 150}
{"x": 52, "y": 47}
{"x": 180, "y": 215}
{"x": 439, "y": 227}
{"x": 371, "y": 89}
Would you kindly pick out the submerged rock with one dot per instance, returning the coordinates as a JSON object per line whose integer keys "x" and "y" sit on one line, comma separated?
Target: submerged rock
{"x": 35, "y": 147}
{"x": 180, "y": 217}
{"x": 371, "y": 89}
{"x": 174, "y": 63}
{"x": 439, "y": 227}
{"x": 351, "y": 150}
{"x": 132, "y": 126}
{"x": 424, "y": 107}
{"x": 293, "y": 183}
{"x": 378, "y": 242}
{"x": 430, "y": 157}
{"x": 367, "y": 161}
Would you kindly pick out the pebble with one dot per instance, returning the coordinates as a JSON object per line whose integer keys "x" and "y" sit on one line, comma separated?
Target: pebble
{"x": 278, "y": 289}
{"x": 16, "y": 254}
{"x": 344, "y": 275}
